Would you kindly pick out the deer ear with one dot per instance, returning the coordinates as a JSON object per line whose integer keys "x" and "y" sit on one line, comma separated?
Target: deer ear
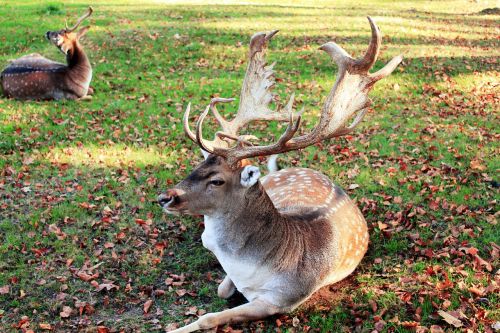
{"x": 249, "y": 176}
{"x": 64, "y": 49}
{"x": 205, "y": 153}
{"x": 82, "y": 32}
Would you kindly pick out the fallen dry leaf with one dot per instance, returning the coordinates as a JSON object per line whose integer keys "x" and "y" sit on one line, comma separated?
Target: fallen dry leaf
{"x": 450, "y": 319}
{"x": 147, "y": 305}
{"x": 44, "y": 326}
{"x": 436, "y": 329}
{"x": 87, "y": 277}
{"x": 102, "y": 329}
{"x": 66, "y": 312}
{"x": 4, "y": 290}
{"x": 107, "y": 286}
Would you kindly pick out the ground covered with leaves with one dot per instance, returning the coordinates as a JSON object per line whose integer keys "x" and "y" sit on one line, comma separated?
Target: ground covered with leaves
{"x": 84, "y": 247}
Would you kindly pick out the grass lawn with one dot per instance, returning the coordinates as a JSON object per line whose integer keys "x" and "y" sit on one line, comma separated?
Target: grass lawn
{"x": 84, "y": 247}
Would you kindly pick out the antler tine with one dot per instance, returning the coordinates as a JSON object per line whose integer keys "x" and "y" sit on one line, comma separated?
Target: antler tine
{"x": 212, "y": 106}
{"x": 387, "y": 69}
{"x": 185, "y": 121}
{"x": 364, "y": 64}
{"x": 80, "y": 20}
{"x": 222, "y": 122}
{"x": 291, "y": 129}
{"x": 346, "y": 130}
{"x": 338, "y": 54}
{"x": 199, "y": 133}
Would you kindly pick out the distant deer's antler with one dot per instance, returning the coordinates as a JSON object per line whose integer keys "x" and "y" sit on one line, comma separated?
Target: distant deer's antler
{"x": 80, "y": 20}
{"x": 348, "y": 97}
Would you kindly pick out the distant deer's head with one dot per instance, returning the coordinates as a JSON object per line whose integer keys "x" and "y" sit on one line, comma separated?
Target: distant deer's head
{"x": 67, "y": 38}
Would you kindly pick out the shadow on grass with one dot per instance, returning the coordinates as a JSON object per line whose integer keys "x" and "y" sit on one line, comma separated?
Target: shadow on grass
{"x": 54, "y": 230}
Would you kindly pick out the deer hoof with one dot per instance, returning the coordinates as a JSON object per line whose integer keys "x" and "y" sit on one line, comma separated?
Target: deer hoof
{"x": 85, "y": 98}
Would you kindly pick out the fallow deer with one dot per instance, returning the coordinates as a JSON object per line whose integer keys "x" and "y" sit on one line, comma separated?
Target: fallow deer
{"x": 36, "y": 77}
{"x": 282, "y": 238}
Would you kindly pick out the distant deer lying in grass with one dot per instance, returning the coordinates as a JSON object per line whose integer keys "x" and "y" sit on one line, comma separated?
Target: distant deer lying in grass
{"x": 282, "y": 238}
{"x": 36, "y": 77}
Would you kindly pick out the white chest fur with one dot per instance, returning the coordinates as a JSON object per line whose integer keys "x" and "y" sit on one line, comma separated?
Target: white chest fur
{"x": 86, "y": 84}
{"x": 250, "y": 278}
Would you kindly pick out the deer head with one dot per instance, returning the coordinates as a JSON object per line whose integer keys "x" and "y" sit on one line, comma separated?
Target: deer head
{"x": 220, "y": 175}
{"x": 212, "y": 187}
{"x": 66, "y": 39}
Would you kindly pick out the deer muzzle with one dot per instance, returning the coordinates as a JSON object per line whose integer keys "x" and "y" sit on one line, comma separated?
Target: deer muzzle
{"x": 171, "y": 201}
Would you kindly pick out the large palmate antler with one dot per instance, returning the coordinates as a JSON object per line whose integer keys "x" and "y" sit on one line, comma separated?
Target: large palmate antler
{"x": 348, "y": 97}
{"x": 254, "y": 100}
{"x": 79, "y": 21}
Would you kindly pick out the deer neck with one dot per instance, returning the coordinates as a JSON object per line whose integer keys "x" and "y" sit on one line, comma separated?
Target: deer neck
{"x": 79, "y": 71}
{"x": 251, "y": 218}
{"x": 77, "y": 59}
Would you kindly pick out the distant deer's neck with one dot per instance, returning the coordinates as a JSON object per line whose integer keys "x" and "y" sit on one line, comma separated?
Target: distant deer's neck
{"x": 79, "y": 71}
{"x": 77, "y": 59}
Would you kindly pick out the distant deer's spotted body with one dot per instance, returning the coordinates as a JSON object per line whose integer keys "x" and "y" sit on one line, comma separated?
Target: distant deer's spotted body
{"x": 282, "y": 237}
{"x": 36, "y": 77}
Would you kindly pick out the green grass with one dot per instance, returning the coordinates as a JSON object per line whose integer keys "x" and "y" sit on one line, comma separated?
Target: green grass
{"x": 78, "y": 180}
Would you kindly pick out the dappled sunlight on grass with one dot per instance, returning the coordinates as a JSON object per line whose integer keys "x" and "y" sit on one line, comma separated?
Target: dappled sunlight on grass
{"x": 488, "y": 79}
{"x": 17, "y": 114}
{"x": 116, "y": 156}
{"x": 18, "y": 110}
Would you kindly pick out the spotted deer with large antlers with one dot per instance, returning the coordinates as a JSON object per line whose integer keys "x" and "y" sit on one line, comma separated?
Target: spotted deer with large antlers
{"x": 281, "y": 238}
{"x": 36, "y": 77}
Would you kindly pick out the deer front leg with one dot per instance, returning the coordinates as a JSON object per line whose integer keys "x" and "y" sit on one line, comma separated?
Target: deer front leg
{"x": 85, "y": 98}
{"x": 226, "y": 288}
{"x": 256, "y": 309}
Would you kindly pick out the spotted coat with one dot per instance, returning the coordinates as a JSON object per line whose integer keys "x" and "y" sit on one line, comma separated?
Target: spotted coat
{"x": 298, "y": 190}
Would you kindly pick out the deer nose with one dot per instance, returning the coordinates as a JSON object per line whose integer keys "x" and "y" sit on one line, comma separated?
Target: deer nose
{"x": 170, "y": 198}
{"x": 164, "y": 199}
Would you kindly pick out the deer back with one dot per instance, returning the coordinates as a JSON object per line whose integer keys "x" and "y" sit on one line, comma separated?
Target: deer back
{"x": 33, "y": 77}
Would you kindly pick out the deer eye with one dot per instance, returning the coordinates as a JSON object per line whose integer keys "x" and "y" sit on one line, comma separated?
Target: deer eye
{"x": 217, "y": 182}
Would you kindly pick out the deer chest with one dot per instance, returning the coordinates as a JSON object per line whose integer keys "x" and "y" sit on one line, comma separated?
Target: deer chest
{"x": 251, "y": 278}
